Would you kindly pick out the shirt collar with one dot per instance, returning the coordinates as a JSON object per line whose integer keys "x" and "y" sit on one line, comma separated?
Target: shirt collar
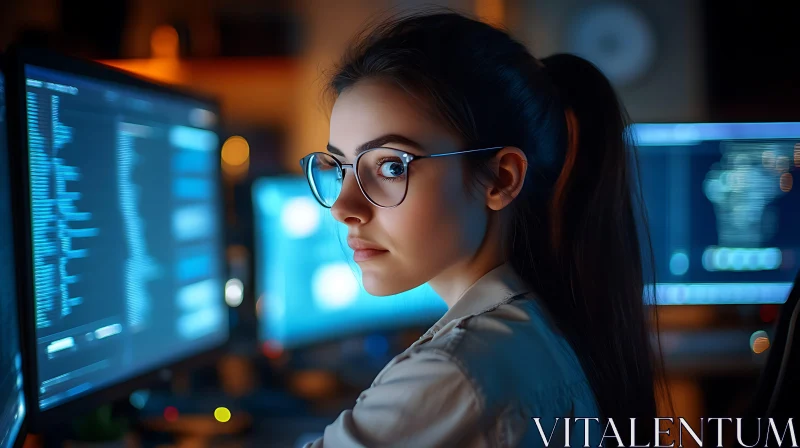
{"x": 491, "y": 290}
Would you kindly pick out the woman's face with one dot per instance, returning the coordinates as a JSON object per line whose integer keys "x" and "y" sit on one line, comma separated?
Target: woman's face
{"x": 438, "y": 226}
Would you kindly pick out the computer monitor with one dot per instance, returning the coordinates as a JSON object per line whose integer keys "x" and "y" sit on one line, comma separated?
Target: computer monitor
{"x": 12, "y": 396}
{"x": 125, "y": 249}
{"x": 307, "y": 284}
{"x": 723, "y": 210}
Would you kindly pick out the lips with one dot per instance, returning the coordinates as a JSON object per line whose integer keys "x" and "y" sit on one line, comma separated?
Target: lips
{"x": 365, "y": 250}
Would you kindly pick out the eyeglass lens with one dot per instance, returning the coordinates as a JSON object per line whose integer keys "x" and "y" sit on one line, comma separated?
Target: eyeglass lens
{"x": 382, "y": 174}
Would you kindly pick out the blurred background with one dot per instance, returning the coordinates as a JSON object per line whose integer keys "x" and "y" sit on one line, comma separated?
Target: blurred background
{"x": 313, "y": 348}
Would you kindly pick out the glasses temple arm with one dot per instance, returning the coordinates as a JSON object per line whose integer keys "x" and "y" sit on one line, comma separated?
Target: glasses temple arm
{"x": 460, "y": 152}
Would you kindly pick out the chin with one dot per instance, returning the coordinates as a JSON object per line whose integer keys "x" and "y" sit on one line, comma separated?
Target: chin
{"x": 381, "y": 283}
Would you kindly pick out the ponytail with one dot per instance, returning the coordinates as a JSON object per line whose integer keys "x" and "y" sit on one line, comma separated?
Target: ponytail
{"x": 595, "y": 216}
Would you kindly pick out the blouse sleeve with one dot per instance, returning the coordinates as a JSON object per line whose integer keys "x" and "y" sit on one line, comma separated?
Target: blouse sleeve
{"x": 425, "y": 401}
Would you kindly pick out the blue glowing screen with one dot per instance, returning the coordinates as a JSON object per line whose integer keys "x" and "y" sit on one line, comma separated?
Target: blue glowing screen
{"x": 12, "y": 399}
{"x": 308, "y": 285}
{"x": 127, "y": 249}
{"x": 723, "y": 210}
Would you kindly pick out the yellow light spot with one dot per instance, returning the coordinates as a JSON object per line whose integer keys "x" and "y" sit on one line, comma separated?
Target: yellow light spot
{"x": 222, "y": 415}
{"x": 164, "y": 42}
{"x": 235, "y": 151}
{"x": 786, "y": 182}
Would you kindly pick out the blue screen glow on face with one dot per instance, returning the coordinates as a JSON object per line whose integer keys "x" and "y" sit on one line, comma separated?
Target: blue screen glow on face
{"x": 307, "y": 284}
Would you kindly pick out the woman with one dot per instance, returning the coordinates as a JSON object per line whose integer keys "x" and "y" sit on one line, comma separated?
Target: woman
{"x": 458, "y": 159}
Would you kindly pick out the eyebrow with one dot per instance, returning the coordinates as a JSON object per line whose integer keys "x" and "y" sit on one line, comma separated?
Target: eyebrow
{"x": 377, "y": 143}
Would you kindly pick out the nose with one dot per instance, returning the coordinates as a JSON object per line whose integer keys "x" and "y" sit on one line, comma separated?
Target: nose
{"x": 351, "y": 207}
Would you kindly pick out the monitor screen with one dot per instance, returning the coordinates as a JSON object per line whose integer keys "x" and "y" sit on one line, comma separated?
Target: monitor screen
{"x": 722, "y": 209}
{"x": 12, "y": 399}
{"x": 308, "y": 286}
{"x": 126, "y": 237}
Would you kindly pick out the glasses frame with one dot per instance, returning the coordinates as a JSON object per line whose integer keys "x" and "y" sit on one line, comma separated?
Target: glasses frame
{"x": 406, "y": 158}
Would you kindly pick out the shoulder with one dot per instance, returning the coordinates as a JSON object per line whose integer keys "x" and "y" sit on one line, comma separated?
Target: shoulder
{"x": 513, "y": 351}
{"x": 424, "y": 399}
{"x": 433, "y": 373}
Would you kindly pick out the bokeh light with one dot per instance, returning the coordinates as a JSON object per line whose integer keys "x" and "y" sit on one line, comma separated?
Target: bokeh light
{"x": 300, "y": 217}
{"x": 234, "y": 292}
{"x": 171, "y": 414}
{"x": 759, "y": 342}
{"x": 334, "y": 286}
{"x": 164, "y": 42}
{"x": 786, "y": 182}
{"x": 768, "y": 160}
{"x": 235, "y": 151}
{"x": 139, "y": 399}
{"x": 272, "y": 349}
{"x": 236, "y": 156}
{"x": 679, "y": 263}
{"x": 223, "y": 415}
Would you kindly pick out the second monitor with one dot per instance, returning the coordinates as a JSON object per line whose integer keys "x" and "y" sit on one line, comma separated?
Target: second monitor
{"x": 722, "y": 210}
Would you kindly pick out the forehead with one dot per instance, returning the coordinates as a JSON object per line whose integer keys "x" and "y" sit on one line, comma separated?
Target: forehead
{"x": 371, "y": 109}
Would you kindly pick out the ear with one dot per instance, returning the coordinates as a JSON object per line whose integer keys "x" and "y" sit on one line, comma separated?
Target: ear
{"x": 510, "y": 166}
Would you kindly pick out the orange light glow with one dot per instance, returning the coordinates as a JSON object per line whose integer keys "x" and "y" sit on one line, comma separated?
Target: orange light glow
{"x": 786, "y": 182}
{"x": 313, "y": 383}
{"x": 170, "y": 71}
{"x": 236, "y": 157}
{"x": 797, "y": 155}
{"x": 164, "y": 42}
{"x": 491, "y": 11}
{"x": 761, "y": 345}
{"x": 235, "y": 151}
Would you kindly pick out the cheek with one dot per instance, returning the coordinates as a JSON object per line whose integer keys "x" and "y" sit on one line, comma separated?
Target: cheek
{"x": 438, "y": 220}
{"x": 436, "y": 226}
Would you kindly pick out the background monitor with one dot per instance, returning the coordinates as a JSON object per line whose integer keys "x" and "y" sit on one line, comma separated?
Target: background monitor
{"x": 126, "y": 242}
{"x": 307, "y": 284}
{"x": 723, "y": 210}
{"x": 12, "y": 398}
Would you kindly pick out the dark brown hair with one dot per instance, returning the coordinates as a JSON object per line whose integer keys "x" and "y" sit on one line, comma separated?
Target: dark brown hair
{"x": 575, "y": 229}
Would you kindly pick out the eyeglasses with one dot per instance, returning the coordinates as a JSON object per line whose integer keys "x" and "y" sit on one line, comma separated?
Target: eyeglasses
{"x": 381, "y": 174}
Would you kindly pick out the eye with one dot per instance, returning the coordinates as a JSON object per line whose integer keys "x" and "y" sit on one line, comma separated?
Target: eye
{"x": 392, "y": 168}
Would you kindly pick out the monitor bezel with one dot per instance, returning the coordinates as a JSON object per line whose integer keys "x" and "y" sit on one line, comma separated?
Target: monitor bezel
{"x": 62, "y": 413}
{"x": 23, "y": 429}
